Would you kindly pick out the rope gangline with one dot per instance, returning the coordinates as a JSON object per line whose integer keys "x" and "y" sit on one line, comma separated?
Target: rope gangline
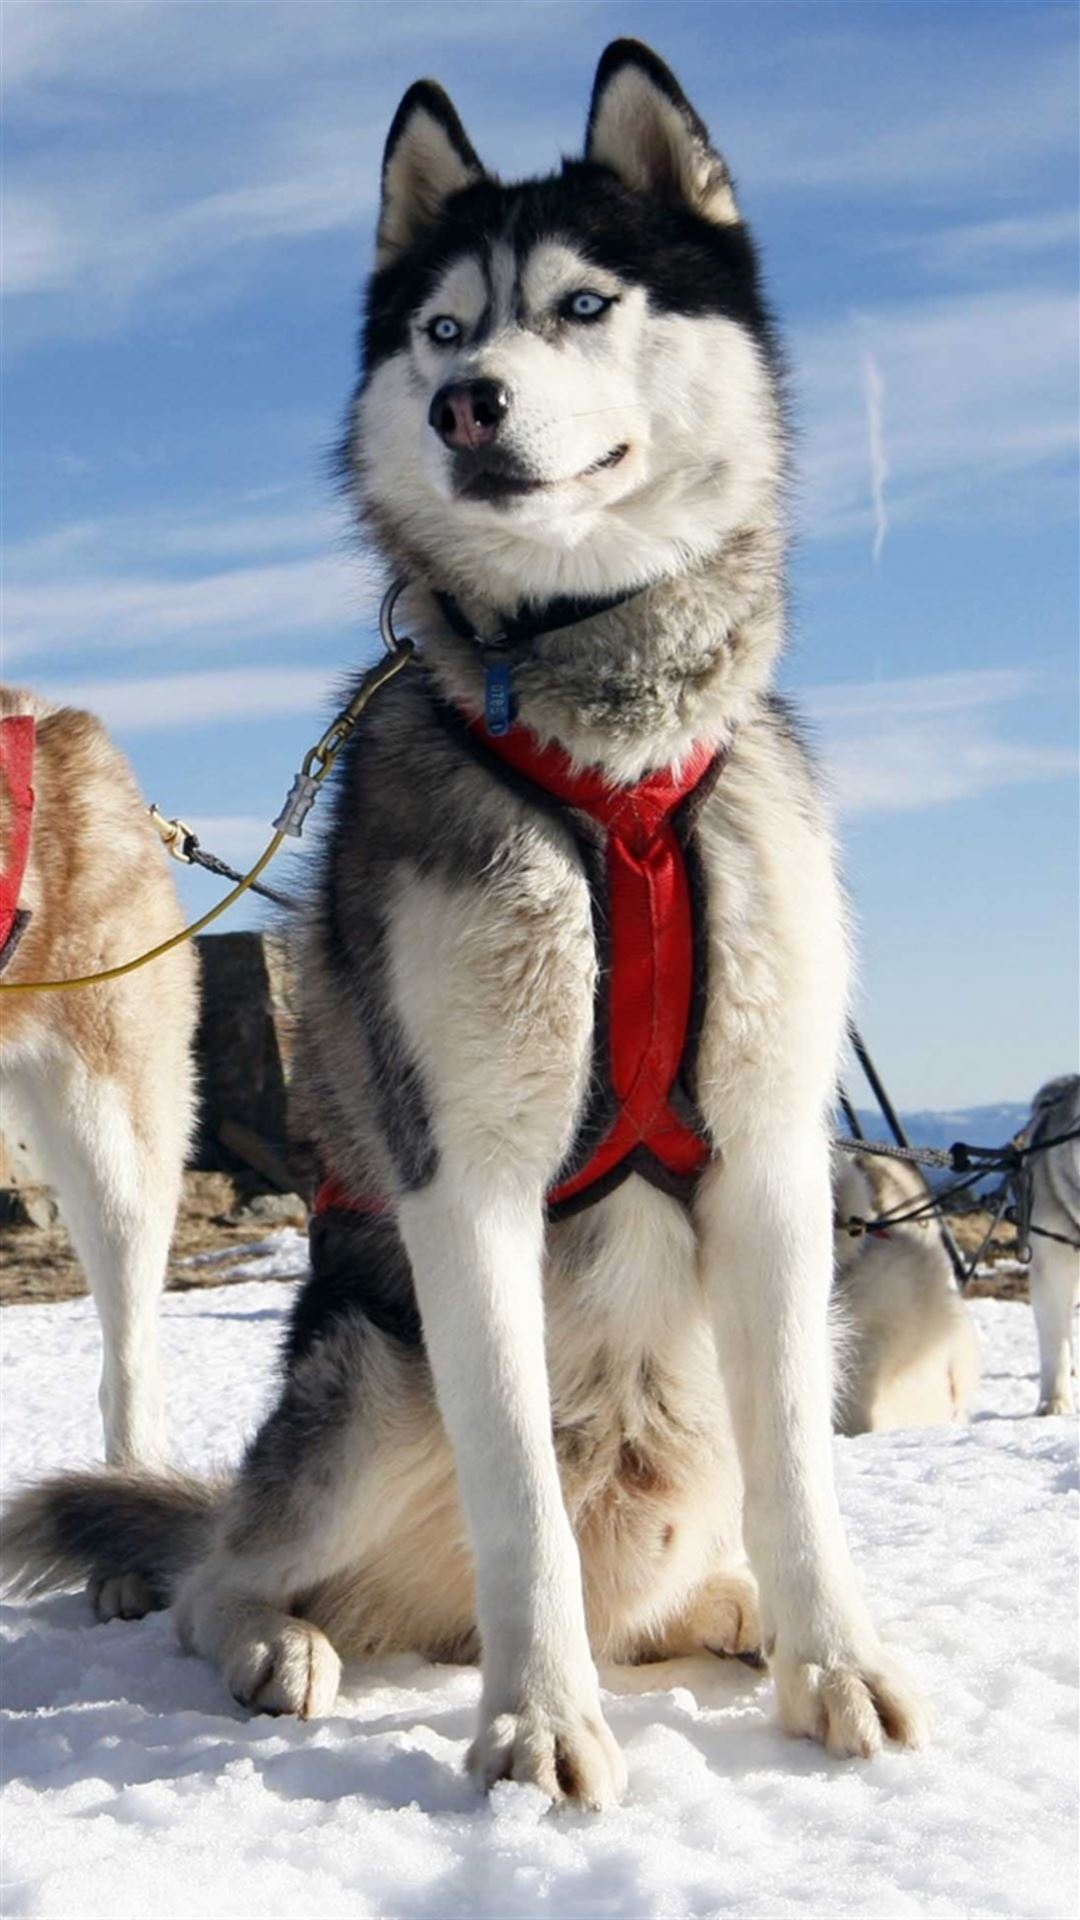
{"x": 961, "y": 1157}
{"x": 1009, "y": 1200}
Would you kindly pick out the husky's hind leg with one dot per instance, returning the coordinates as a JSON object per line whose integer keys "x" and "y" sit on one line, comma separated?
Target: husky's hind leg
{"x": 112, "y": 1144}
{"x": 270, "y": 1660}
{"x": 314, "y": 1495}
{"x": 1053, "y": 1282}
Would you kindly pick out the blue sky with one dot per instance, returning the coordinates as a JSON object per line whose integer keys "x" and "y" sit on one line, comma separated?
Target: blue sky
{"x": 188, "y": 207}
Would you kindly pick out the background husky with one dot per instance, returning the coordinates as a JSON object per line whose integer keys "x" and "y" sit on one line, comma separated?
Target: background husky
{"x": 910, "y": 1354}
{"x": 569, "y": 388}
{"x": 99, "y": 1083}
{"x": 1055, "y": 1268}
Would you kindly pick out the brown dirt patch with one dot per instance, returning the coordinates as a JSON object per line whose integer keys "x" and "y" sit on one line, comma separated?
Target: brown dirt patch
{"x": 37, "y": 1263}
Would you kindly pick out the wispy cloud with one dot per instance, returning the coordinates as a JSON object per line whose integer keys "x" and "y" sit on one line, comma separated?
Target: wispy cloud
{"x": 994, "y": 244}
{"x": 982, "y": 388}
{"x": 109, "y": 241}
{"x": 217, "y": 530}
{"x": 1018, "y": 113}
{"x": 304, "y": 596}
{"x": 874, "y": 391}
{"x": 861, "y": 701}
{"x": 83, "y": 51}
{"x": 906, "y": 746}
{"x": 163, "y": 702}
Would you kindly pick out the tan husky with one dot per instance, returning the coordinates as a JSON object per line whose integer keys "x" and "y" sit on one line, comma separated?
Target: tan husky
{"x": 909, "y": 1346}
{"x": 98, "y": 1083}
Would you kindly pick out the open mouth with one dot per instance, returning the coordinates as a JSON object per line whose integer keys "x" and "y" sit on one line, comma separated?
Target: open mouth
{"x": 505, "y": 483}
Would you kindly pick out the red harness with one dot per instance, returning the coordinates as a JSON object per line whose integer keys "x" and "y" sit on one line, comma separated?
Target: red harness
{"x": 647, "y": 896}
{"x": 18, "y": 733}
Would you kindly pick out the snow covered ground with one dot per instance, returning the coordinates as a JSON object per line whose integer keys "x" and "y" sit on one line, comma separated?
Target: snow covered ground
{"x": 135, "y": 1787}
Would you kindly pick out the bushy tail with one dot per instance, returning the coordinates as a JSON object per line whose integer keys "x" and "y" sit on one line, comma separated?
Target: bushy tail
{"x": 92, "y": 1526}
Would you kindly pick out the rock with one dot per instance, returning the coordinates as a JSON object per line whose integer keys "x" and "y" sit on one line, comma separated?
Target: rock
{"x": 24, "y": 1199}
{"x": 28, "y": 1207}
{"x": 245, "y": 1053}
{"x": 272, "y": 1210}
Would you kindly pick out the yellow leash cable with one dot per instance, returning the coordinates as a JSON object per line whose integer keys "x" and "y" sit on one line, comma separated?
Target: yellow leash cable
{"x": 166, "y": 946}
{"x": 302, "y": 796}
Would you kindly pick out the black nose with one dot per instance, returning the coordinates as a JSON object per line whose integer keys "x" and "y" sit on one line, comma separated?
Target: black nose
{"x": 468, "y": 413}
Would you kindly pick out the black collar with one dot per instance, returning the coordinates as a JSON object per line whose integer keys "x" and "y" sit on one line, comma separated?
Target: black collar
{"x": 516, "y": 634}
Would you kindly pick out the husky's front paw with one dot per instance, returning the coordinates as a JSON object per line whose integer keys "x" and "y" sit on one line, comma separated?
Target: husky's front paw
{"x": 852, "y": 1708}
{"x": 569, "y": 1752}
{"x": 123, "y": 1596}
{"x": 291, "y": 1668}
{"x": 1057, "y": 1403}
{"x": 723, "y": 1617}
{"x": 733, "y": 1624}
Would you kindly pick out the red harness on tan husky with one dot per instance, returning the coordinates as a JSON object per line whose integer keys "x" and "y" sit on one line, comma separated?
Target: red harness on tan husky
{"x": 18, "y": 735}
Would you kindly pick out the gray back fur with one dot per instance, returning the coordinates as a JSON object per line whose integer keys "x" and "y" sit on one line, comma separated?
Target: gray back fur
{"x": 1056, "y": 1173}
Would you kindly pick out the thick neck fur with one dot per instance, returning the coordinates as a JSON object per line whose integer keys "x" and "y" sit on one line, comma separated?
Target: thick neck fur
{"x": 633, "y": 689}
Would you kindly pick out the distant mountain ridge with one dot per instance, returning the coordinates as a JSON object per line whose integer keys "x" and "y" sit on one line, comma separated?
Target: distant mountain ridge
{"x": 978, "y": 1126}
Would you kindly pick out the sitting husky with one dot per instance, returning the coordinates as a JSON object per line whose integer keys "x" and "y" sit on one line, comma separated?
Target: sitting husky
{"x": 574, "y": 983}
{"x": 98, "y": 1083}
{"x": 909, "y": 1350}
{"x": 1055, "y": 1266}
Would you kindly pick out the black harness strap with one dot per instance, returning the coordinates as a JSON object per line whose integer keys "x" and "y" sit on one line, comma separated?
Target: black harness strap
{"x": 517, "y": 631}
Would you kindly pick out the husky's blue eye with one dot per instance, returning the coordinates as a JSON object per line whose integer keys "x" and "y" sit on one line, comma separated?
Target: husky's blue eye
{"x": 444, "y": 330}
{"x": 586, "y": 305}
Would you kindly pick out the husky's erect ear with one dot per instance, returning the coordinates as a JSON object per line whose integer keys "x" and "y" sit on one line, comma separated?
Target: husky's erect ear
{"x": 428, "y": 157}
{"x": 643, "y": 127}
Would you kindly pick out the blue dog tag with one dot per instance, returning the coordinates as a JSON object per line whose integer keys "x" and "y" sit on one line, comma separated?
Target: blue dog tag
{"x": 498, "y": 700}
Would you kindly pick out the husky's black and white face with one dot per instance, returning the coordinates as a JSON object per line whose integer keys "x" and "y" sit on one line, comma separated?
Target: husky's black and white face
{"x": 569, "y": 385}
